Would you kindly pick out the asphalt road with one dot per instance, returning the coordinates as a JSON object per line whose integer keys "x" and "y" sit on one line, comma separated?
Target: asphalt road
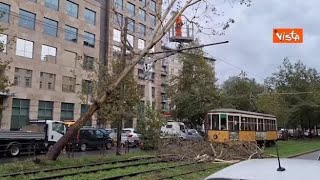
{"x": 77, "y": 154}
{"x": 311, "y": 156}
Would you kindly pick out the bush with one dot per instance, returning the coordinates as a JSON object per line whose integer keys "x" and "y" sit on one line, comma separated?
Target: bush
{"x": 149, "y": 126}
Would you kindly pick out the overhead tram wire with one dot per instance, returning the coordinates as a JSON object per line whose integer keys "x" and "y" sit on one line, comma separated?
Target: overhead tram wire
{"x": 235, "y": 66}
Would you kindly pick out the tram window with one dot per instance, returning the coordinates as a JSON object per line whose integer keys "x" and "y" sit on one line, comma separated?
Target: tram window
{"x": 236, "y": 123}
{"x": 267, "y": 124}
{"x": 231, "y": 123}
{"x": 215, "y": 122}
{"x": 274, "y": 125}
{"x": 254, "y": 124}
{"x": 223, "y": 123}
{"x": 244, "y": 124}
{"x": 260, "y": 125}
{"x": 251, "y": 124}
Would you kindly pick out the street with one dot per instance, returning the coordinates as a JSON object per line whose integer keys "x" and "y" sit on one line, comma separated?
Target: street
{"x": 311, "y": 156}
{"x": 4, "y": 159}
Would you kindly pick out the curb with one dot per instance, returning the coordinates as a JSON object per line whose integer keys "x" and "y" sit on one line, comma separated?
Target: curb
{"x": 303, "y": 153}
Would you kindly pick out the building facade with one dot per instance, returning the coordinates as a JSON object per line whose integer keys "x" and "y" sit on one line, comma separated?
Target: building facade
{"x": 142, "y": 18}
{"x": 54, "y": 45}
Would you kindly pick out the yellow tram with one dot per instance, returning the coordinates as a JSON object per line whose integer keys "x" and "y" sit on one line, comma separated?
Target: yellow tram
{"x": 225, "y": 125}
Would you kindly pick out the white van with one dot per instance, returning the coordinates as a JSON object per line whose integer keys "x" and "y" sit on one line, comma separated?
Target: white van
{"x": 174, "y": 129}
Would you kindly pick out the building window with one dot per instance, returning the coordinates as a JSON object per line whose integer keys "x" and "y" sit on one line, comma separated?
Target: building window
{"x": 143, "y": 2}
{"x": 27, "y": 19}
{"x": 142, "y": 29}
{"x": 116, "y": 35}
{"x": 88, "y": 63}
{"x": 130, "y": 40}
{"x": 116, "y": 52}
{"x": 71, "y": 33}
{"x": 20, "y": 113}
{"x": 68, "y": 84}
{"x": 89, "y": 39}
{"x": 50, "y": 27}
{"x": 131, "y": 9}
{"x": 153, "y": 21}
{"x": 52, "y": 4}
{"x": 118, "y": 4}
{"x": 131, "y": 25}
{"x": 22, "y": 77}
{"x": 153, "y": 92}
{"x": 90, "y": 16}
{"x": 117, "y": 19}
{"x": 152, "y": 6}
{"x": 84, "y": 109}
{"x": 48, "y": 54}
{"x": 141, "y": 44}
{"x": 47, "y": 81}
{"x": 87, "y": 87}
{"x": 3, "y": 42}
{"x": 142, "y": 14}
{"x": 24, "y": 48}
{"x": 67, "y": 111}
{"x": 72, "y": 9}
{"x": 45, "y": 110}
{"x": 142, "y": 90}
{"x": 141, "y": 74}
{"x": 5, "y": 12}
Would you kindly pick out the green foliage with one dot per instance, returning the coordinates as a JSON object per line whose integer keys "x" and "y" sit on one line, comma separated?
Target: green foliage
{"x": 299, "y": 87}
{"x": 273, "y": 104}
{"x": 193, "y": 91}
{"x": 4, "y": 65}
{"x": 149, "y": 124}
{"x": 239, "y": 92}
{"x": 112, "y": 110}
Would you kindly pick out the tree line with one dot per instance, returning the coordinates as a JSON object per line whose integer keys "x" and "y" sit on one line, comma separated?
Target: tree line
{"x": 291, "y": 93}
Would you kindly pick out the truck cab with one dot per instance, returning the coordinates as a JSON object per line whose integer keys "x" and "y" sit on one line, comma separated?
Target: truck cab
{"x": 53, "y": 130}
{"x": 38, "y": 135}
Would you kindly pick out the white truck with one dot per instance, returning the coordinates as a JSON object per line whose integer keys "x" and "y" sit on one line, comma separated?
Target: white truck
{"x": 174, "y": 129}
{"x": 38, "y": 135}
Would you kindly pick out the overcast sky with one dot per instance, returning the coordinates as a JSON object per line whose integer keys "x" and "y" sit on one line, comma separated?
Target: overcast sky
{"x": 251, "y": 47}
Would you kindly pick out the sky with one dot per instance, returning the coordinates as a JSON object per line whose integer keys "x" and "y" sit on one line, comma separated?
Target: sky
{"x": 251, "y": 48}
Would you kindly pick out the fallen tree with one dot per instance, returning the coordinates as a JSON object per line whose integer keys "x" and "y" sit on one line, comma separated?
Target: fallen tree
{"x": 166, "y": 19}
{"x": 206, "y": 151}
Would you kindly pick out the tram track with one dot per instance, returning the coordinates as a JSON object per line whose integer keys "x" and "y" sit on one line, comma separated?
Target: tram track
{"x": 26, "y": 173}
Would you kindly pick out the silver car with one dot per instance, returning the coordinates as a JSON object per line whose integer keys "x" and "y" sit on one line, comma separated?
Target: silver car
{"x": 194, "y": 135}
{"x": 266, "y": 169}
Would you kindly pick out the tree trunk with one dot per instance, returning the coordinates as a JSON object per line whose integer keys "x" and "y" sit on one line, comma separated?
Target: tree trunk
{"x": 119, "y": 137}
{"x": 55, "y": 151}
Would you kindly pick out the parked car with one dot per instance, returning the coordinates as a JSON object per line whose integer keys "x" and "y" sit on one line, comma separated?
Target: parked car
{"x": 194, "y": 135}
{"x": 131, "y": 135}
{"x": 91, "y": 138}
{"x": 266, "y": 169}
{"x": 112, "y": 134}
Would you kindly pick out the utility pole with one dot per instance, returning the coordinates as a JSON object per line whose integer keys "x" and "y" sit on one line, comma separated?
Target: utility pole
{"x": 123, "y": 64}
